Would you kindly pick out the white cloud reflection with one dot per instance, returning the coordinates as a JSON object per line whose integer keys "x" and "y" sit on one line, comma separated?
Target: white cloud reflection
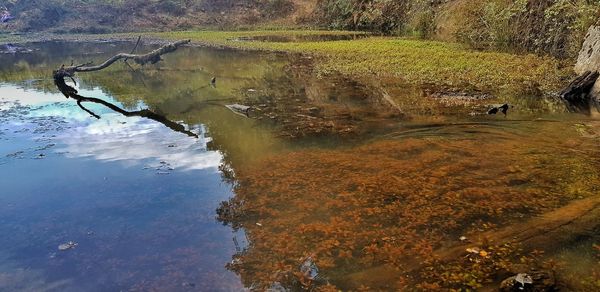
{"x": 10, "y": 94}
{"x": 131, "y": 140}
{"x": 136, "y": 140}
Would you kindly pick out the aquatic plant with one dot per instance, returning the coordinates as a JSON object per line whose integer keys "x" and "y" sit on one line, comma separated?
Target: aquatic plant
{"x": 413, "y": 61}
{"x": 478, "y": 268}
{"x": 370, "y": 214}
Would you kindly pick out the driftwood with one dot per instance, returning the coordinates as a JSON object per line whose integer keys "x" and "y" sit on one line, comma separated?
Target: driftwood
{"x": 577, "y": 95}
{"x": 153, "y": 57}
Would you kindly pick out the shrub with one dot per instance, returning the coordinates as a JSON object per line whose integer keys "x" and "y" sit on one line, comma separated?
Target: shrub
{"x": 554, "y": 27}
{"x": 174, "y": 7}
{"x": 376, "y": 15}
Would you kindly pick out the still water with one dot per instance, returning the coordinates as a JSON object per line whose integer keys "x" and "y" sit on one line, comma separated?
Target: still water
{"x": 330, "y": 182}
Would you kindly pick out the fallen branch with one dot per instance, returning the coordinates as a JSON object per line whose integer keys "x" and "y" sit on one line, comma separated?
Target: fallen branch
{"x": 152, "y": 57}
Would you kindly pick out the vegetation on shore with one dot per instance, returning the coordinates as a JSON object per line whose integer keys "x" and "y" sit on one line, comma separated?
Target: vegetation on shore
{"x": 545, "y": 27}
{"x": 548, "y": 27}
{"x": 107, "y": 16}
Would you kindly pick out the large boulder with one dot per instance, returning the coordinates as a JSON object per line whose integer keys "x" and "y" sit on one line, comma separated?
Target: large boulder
{"x": 589, "y": 56}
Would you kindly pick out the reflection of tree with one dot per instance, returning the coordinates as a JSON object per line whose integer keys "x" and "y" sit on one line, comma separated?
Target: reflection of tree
{"x": 152, "y": 57}
{"x": 305, "y": 105}
{"x": 178, "y": 86}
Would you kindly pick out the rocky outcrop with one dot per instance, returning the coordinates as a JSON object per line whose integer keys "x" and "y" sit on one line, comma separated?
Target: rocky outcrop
{"x": 589, "y": 56}
{"x": 579, "y": 96}
{"x": 595, "y": 92}
{"x": 589, "y": 61}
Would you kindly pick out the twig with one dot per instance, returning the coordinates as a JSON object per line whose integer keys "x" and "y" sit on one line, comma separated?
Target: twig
{"x": 133, "y": 50}
{"x": 87, "y": 110}
{"x": 136, "y": 44}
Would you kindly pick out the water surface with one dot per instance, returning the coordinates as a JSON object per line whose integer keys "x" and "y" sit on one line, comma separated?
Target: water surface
{"x": 330, "y": 181}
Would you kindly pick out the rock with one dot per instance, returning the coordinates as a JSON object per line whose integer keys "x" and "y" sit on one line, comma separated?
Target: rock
{"x": 595, "y": 92}
{"x": 314, "y": 111}
{"x": 589, "y": 56}
{"x": 309, "y": 269}
{"x": 239, "y": 109}
{"x": 474, "y": 250}
{"x": 188, "y": 284}
{"x": 67, "y": 246}
{"x": 532, "y": 281}
{"x": 523, "y": 280}
{"x": 578, "y": 95}
{"x": 496, "y": 108}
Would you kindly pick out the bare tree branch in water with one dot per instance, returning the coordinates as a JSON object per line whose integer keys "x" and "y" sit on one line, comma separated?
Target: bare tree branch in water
{"x": 152, "y": 57}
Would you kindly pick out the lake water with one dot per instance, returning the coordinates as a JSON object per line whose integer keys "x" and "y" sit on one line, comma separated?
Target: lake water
{"x": 329, "y": 182}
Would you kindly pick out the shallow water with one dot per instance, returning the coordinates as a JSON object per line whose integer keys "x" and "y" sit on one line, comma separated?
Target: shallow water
{"x": 375, "y": 178}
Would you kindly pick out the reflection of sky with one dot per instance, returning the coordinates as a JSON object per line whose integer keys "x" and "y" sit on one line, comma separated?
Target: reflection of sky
{"x": 132, "y": 140}
{"x": 138, "y": 139}
{"x": 10, "y": 94}
{"x": 71, "y": 177}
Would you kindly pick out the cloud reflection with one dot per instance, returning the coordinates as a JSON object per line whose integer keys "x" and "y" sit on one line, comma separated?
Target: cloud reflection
{"x": 131, "y": 140}
{"x": 114, "y": 138}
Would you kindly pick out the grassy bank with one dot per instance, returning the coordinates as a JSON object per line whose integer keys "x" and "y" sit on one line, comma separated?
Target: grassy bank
{"x": 415, "y": 61}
